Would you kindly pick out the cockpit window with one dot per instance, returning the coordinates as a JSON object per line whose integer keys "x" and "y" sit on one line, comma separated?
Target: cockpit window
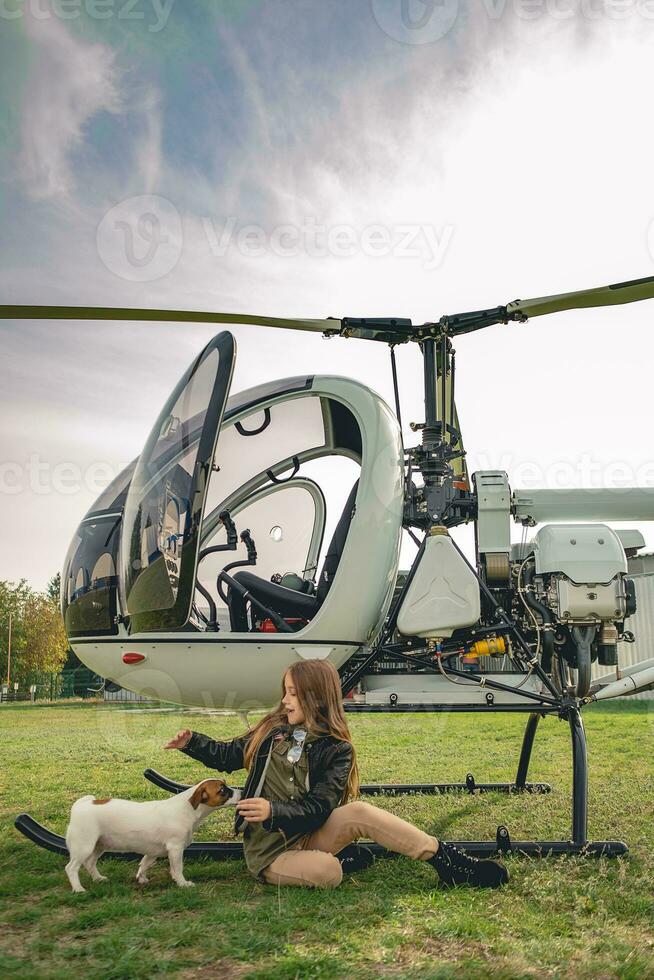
{"x": 113, "y": 496}
{"x": 89, "y": 583}
{"x": 267, "y": 436}
{"x": 166, "y": 496}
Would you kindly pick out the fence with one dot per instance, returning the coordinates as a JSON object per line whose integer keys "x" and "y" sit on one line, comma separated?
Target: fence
{"x": 75, "y": 682}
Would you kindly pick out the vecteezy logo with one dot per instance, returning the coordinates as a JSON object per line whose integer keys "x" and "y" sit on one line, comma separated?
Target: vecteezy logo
{"x": 140, "y": 239}
{"x": 416, "y": 21}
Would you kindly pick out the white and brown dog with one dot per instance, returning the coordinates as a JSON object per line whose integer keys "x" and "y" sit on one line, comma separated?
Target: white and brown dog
{"x": 153, "y": 829}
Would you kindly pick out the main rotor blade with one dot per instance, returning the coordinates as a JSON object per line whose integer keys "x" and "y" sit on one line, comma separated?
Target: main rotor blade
{"x": 176, "y": 316}
{"x": 622, "y": 292}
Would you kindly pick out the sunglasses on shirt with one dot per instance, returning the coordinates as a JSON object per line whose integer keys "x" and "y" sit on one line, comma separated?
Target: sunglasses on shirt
{"x": 295, "y": 751}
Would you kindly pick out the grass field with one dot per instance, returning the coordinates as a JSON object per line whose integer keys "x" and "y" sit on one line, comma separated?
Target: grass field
{"x": 558, "y": 917}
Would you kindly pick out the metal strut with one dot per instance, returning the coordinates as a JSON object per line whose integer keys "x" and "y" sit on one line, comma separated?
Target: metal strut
{"x": 525, "y": 752}
{"x": 579, "y": 778}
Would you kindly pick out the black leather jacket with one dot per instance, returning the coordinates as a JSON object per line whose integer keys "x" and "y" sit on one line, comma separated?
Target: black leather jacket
{"x": 329, "y": 763}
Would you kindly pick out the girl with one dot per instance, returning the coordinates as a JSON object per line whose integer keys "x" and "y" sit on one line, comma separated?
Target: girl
{"x": 296, "y": 819}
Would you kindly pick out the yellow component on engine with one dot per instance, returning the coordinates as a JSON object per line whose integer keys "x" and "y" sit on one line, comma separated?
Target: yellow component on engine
{"x": 495, "y": 646}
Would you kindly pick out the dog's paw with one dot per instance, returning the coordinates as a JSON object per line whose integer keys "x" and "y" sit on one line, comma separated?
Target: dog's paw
{"x": 186, "y": 884}
{"x": 141, "y": 880}
{"x": 101, "y": 878}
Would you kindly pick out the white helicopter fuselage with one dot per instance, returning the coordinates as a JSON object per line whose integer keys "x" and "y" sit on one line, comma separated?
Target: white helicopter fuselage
{"x": 205, "y": 669}
{"x": 225, "y": 668}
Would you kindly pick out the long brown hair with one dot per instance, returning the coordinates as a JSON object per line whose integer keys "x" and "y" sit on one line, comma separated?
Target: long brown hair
{"x": 318, "y": 689}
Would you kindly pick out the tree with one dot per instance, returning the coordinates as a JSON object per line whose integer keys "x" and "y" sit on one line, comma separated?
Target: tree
{"x": 12, "y": 602}
{"x": 38, "y": 638}
{"x": 53, "y": 588}
{"x": 45, "y": 641}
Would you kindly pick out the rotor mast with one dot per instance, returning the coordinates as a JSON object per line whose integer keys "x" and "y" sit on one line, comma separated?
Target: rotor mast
{"x": 439, "y": 501}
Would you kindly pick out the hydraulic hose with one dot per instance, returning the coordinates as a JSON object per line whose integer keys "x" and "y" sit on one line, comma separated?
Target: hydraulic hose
{"x": 544, "y": 613}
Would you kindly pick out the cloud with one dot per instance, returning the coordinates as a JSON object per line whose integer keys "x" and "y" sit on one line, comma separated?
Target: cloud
{"x": 526, "y": 142}
{"x": 148, "y": 153}
{"x": 71, "y": 81}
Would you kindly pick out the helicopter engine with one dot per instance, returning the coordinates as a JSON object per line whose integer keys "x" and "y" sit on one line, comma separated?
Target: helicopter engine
{"x": 571, "y": 588}
{"x": 568, "y": 588}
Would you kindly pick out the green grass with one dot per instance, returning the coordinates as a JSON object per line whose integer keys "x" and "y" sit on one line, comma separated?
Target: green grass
{"x": 558, "y": 917}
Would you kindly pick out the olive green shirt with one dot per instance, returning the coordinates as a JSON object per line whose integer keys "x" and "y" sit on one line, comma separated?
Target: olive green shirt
{"x": 284, "y": 781}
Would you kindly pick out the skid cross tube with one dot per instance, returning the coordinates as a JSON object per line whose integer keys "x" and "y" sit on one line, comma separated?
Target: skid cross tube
{"x": 527, "y": 746}
{"x": 579, "y": 778}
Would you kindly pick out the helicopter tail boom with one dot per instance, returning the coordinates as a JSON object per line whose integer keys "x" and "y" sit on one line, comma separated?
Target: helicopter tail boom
{"x": 640, "y": 680}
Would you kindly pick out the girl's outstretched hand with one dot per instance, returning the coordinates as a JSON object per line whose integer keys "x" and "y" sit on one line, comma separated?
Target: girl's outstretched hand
{"x": 181, "y": 740}
{"x": 255, "y": 810}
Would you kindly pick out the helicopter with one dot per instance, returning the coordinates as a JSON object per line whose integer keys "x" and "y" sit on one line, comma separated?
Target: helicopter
{"x": 204, "y": 568}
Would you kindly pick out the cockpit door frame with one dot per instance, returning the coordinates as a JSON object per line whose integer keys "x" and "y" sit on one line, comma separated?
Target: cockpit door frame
{"x": 177, "y": 614}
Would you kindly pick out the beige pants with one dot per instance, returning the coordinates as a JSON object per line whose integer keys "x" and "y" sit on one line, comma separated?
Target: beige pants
{"x": 312, "y": 861}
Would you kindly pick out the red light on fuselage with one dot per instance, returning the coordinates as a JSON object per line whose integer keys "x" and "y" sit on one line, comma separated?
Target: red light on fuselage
{"x": 133, "y": 658}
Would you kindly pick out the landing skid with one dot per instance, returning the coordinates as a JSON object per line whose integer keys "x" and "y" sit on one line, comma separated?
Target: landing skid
{"x": 215, "y": 851}
{"x": 502, "y": 844}
{"x": 391, "y": 789}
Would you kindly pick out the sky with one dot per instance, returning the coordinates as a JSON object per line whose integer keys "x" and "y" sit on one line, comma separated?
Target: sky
{"x": 294, "y": 157}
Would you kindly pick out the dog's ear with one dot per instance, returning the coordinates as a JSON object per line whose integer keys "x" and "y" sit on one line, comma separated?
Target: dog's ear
{"x": 212, "y": 792}
{"x": 199, "y": 795}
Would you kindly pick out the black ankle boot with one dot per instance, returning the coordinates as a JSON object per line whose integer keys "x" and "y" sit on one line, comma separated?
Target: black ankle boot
{"x": 455, "y": 867}
{"x": 355, "y": 857}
